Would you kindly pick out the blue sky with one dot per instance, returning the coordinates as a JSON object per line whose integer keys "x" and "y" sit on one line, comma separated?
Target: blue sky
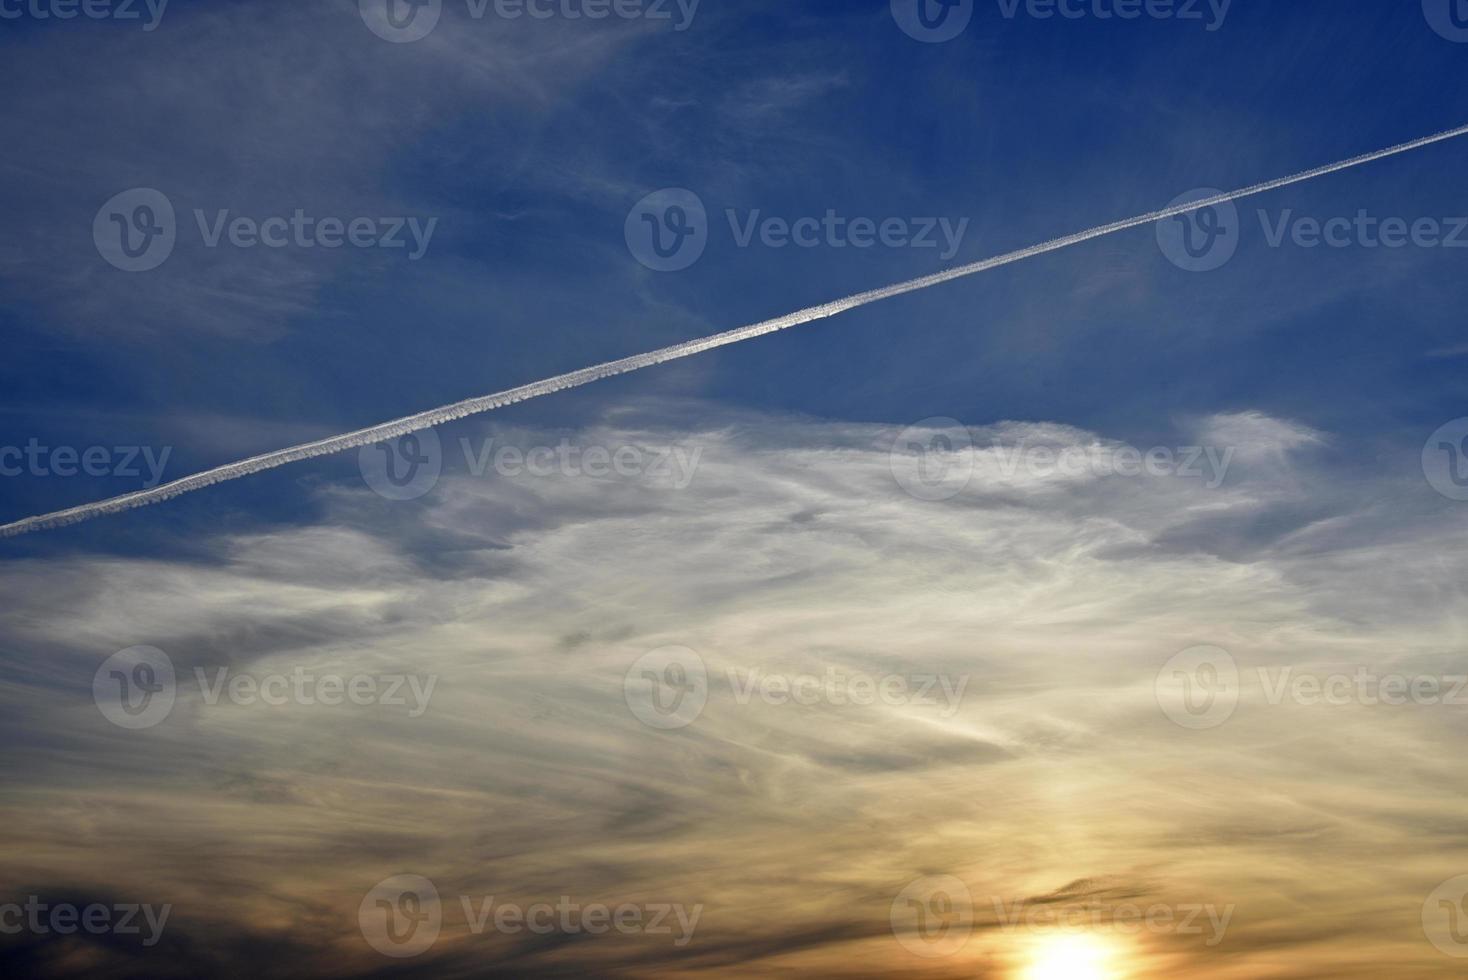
{"x": 858, "y": 495}
{"x": 529, "y": 142}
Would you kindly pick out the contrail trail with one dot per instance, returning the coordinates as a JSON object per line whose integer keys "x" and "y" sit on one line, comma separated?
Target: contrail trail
{"x": 485, "y": 403}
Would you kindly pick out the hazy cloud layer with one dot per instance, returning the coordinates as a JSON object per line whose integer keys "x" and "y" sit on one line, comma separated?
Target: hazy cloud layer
{"x": 1054, "y": 780}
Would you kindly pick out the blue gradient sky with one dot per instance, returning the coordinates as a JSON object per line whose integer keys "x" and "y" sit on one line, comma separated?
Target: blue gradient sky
{"x": 807, "y": 539}
{"x": 530, "y": 146}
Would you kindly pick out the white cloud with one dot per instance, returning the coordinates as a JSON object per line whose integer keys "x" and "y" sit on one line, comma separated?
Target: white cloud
{"x": 792, "y": 550}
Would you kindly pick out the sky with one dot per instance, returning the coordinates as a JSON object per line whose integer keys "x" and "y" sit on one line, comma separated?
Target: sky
{"x": 1097, "y": 617}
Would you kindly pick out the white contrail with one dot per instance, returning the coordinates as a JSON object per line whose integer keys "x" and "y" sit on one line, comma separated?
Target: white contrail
{"x": 484, "y": 403}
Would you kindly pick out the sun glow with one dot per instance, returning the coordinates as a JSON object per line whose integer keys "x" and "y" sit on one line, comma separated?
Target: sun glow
{"x": 1072, "y": 958}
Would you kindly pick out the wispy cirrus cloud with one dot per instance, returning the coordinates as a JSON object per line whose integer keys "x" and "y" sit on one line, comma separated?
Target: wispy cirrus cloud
{"x": 794, "y": 552}
{"x": 228, "y": 111}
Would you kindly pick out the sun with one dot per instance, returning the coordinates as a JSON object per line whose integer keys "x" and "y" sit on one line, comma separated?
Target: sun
{"x": 1071, "y": 958}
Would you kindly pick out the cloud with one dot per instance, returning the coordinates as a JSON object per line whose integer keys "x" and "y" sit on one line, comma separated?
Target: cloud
{"x": 225, "y": 110}
{"x": 793, "y": 553}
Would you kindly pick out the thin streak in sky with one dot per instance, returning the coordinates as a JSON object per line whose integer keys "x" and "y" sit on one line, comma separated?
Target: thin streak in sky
{"x": 485, "y": 403}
